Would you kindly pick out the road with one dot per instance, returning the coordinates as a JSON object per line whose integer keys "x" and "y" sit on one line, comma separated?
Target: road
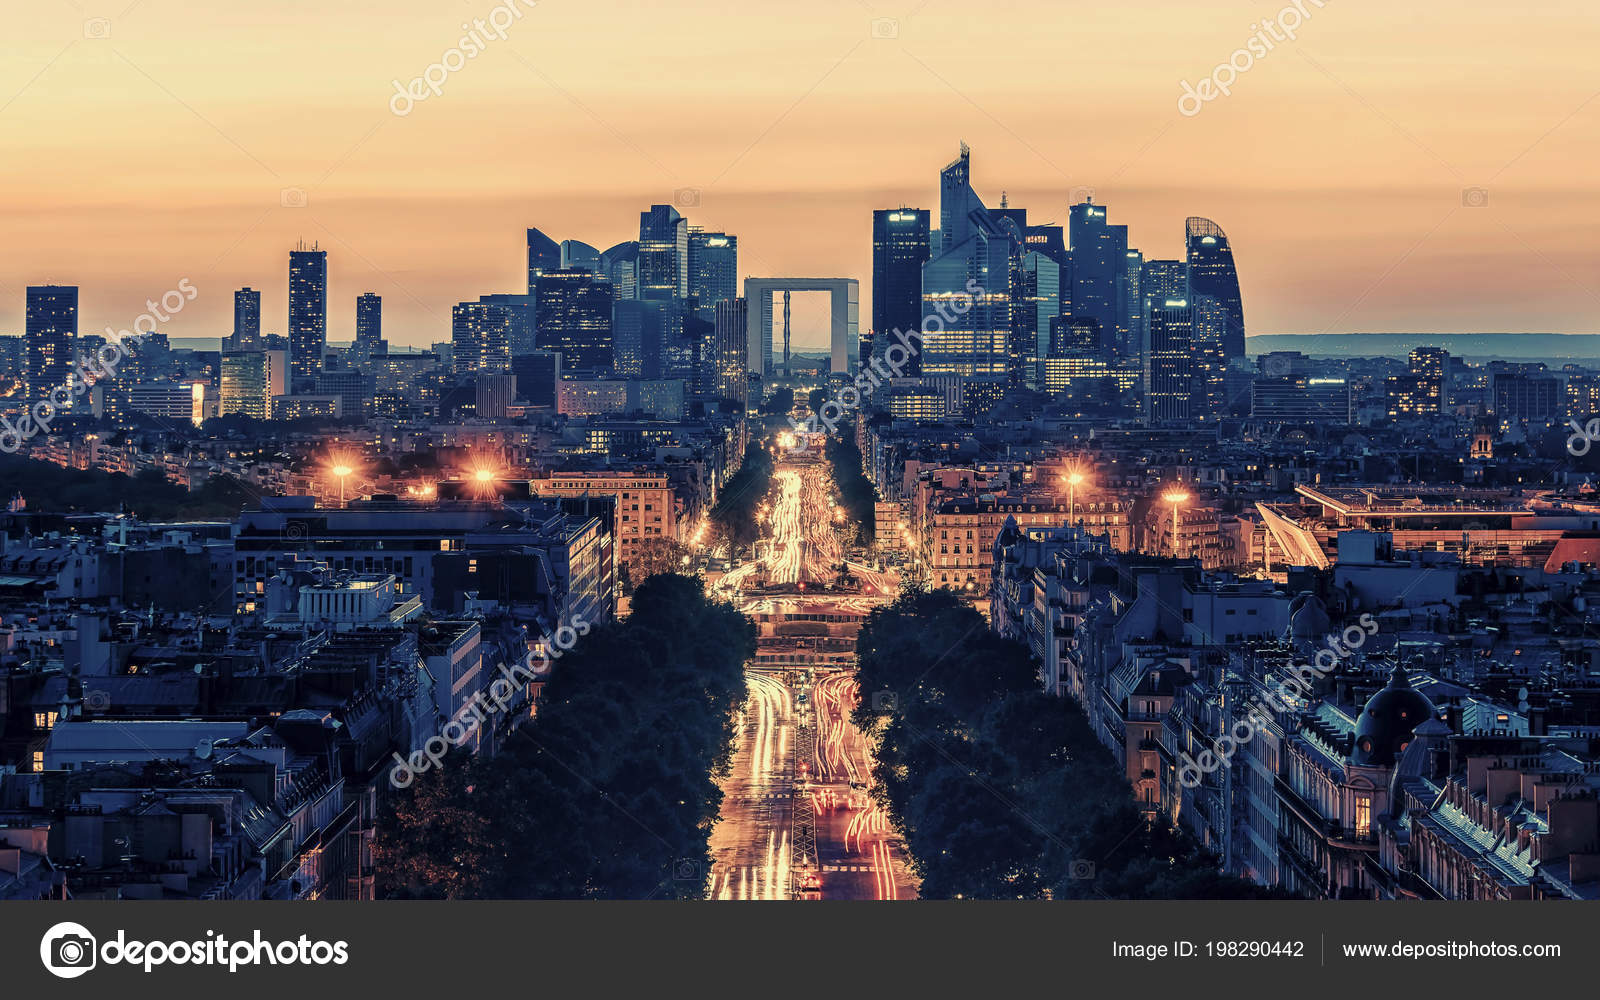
{"x": 797, "y": 818}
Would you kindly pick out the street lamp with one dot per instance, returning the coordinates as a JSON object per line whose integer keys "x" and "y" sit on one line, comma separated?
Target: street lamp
{"x": 341, "y": 471}
{"x": 1175, "y": 497}
{"x": 1073, "y": 479}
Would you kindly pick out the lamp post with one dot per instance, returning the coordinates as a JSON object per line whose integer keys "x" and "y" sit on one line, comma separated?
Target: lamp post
{"x": 1175, "y": 497}
{"x": 1073, "y": 479}
{"x": 341, "y": 471}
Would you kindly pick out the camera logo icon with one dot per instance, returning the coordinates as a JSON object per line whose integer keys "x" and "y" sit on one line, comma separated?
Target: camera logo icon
{"x": 1081, "y": 869}
{"x": 97, "y": 27}
{"x": 68, "y": 950}
{"x": 1474, "y": 197}
{"x": 686, "y": 870}
{"x": 292, "y": 198}
{"x": 885, "y": 28}
{"x": 686, "y": 197}
{"x": 885, "y": 701}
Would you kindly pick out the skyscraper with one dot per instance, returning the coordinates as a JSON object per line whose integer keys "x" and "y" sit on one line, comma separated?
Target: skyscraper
{"x": 246, "y": 319}
{"x": 966, "y": 286}
{"x": 1130, "y": 302}
{"x": 480, "y": 338}
{"x": 1168, "y": 367}
{"x": 713, "y": 267}
{"x": 50, "y": 331}
{"x": 249, "y": 380}
{"x": 537, "y": 373}
{"x": 369, "y": 326}
{"x": 524, "y": 327}
{"x": 579, "y": 256}
{"x": 308, "y": 311}
{"x": 1036, "y": 301}
{"x": 1211, "y": 272}
{"x": 663, "y": 253}
{"x": 620, "y": 265}
{"x": 574, "y": 317}
{"x": 638, "y": 336}
{"x": 900, "y": 246}
{"x": 1208, "y": 372}
{"x": 544, "y": 254}
{"x": 1099, "y": 260}
{"x": 732, "y": 350}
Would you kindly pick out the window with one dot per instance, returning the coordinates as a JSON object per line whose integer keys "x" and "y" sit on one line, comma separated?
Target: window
{"x": 38, "y": 760}
{"x": 1363, "y": 816}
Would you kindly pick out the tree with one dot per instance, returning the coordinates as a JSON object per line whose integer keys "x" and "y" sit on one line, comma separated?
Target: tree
{"x": 654, "y": 556}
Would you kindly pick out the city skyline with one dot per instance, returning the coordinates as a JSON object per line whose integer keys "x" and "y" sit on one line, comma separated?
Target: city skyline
{"x": 1398, "y": 228}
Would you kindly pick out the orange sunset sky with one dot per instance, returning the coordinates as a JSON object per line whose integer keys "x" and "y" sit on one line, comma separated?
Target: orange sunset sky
{"x": 144, "y": 141}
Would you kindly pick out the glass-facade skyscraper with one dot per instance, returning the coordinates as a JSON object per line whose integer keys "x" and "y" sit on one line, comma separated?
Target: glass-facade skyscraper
{"x": 369, "y": 325}
{"x": 573, "y": 313}
{"x": 308, "y": 311}
{"x": 966, "y": 286}
{"x": 1212, "y": 272}
{"x": 663, "y": 254}
{"x": 480, "y": 338}
{"x": 50, "y": 332}
{"x": 713, "y": 267}
{"x": 1168, "y": 365}
{"x": 1099, "y": 272}
{"x": 246, "y": 319}
{"x": 544, "y": 254}
{"x": 900, "y": 246}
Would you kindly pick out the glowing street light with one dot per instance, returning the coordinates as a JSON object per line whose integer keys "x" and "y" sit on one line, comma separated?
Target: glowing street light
{"x": 342, "y": 472}
{"x": 1073, "y": 479}
{"x": 1176, "y": 497}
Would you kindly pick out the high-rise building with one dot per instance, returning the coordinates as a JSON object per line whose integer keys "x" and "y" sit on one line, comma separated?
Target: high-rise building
{"x": 480, "y": 338}
{"x": 1168, "y": 365}
{"x": 732, "y": 350}
{"x": 1160, "y": 280}
{"x": 250, "y": 379}
{"x": 638, "y": 337}
{"x": 51, "y": 331}
{"x": 1035, "y": 303}
{"x": 1130, "y": 300}
{"x": 663, "y": 253}
{"x": 966, "y": 286}
{"x": 537, "y": 373}
{"x": 620, "y": 265}
{"x": 1099, "y": 270}
{"x": 494, "y": 393}
{"x": 1208, "y": 365}
{"x": 900, "y": 247}
{"x": 369, "y": 326}
{"x": 576, "y": 256}
{"x": 1212, "y": 272}
{"x": 574, "y": 317}
{"x": 246, "y": 319}
{"x": 308, "y": 311}
{"x": 524, "y": 324}
{"x": 713, "y": 267}
{"x": 353, "y": 388}
{"x": 544, "y": 254}
{"x": 1075, "y": 336}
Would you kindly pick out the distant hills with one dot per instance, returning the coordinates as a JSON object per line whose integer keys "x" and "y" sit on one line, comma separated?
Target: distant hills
{"x": 1556, "y": 348}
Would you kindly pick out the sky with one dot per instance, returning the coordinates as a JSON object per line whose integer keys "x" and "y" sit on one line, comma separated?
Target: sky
{"x": 1411, "y": 167}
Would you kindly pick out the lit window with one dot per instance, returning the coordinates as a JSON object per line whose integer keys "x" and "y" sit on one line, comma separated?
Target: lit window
{"x": 1363, "y": 816}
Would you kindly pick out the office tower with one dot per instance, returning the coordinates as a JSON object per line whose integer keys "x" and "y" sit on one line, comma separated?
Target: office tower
{"x": 51, "y": 331}
{"x": 308, "y": 311}
{"x": 246, "y": 319}
{"x": 1130, "y": 302}
{"x": 620, "y": 265}
{"x": 1211, "y": 272}
{"x": 1035, "y": 303}
{"x": 663, "y": 253}
{"x": 713, "y": 267}
{"x": 543, "y": 255}
{"x": 576, "y": 256}
{"x": 1169, "y": 339}
{"x": 1160, "y": 280}
{"x": 1524, "y": 395}
{"x": 573, "y": 315}
{"x": 494, "y": 392}
{"x": 1075, "y": 336}
{"x": 480, "y": 338}
{"x": 352, "y": 387}
{"x": 537, "y": 373}
{"x": 966, "y": 286}
{"x": 1429, "y": 361}
{"x": 900, "y": 246}
{"x": 1300, "y": 399}
{"x": 249, "y": 381}
{"x": 1208, "y": 365}
{"x": 638, "y": 336}
{"x": 732, "y": 350}
{"x": 369, "y": 326}
{"x": 524, "y": 324}
{"x": 1099, "y": 260}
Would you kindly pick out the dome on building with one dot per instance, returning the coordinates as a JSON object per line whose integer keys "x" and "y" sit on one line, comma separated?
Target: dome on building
{"x": 1308, "y": 618}
{"x": 1389, "y": 720}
